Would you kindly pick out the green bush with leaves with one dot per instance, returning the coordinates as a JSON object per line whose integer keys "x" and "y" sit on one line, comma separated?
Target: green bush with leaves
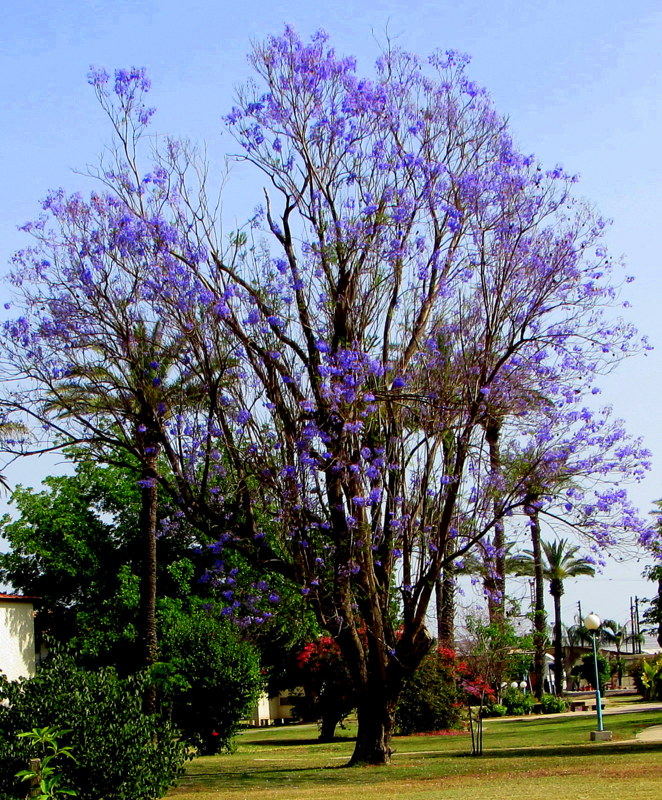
{"x": 587, "y": 670}
{"x": 45, "y": 776}
{"x": 494, "y": 710}
{"x": 517, "y": 702}
{"x": 121, "y": 752}
{"x": 551, "y": 704}
{"x": 648, "y": 677}
{"x": 431, "y": 700}
{"x": 209, "y": 678}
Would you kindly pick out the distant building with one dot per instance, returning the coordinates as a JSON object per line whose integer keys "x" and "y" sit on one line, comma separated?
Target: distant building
{"x": 17, "y": 642}
{"x": 274, "y": 710}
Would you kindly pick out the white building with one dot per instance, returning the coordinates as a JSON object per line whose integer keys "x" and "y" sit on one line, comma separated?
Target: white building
{"x": 17, "y": 644}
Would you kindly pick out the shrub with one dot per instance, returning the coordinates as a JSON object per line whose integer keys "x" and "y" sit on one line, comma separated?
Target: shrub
{"x": 121, "y": 752}
{"x": 209, "y": 678}
{"x": 587, "y": 670}
{"x": 649, "y": 678}
{"x": 551, "y": 704}
{"x": 431, "y": 700}
{"x": 517, "y": 702}
{"x": 495, "y": 710}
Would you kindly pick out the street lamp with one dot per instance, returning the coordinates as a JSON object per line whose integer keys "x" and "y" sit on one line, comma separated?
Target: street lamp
{"x": 592, "y": 623}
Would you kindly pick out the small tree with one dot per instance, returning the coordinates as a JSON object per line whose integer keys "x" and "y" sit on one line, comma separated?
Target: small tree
{"x": 587, "y": 671}
{"x": 210, "y": 678}
{"x": 329, "y": 692}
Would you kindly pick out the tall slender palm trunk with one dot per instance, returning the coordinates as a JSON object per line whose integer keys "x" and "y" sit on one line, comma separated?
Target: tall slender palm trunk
{"x": 445, "y": 602}
{"x": 495, "y": 574}
{"x": 148, "y": 523}
{"x": 556, "y": 590}
{"x": 539, "y": 617}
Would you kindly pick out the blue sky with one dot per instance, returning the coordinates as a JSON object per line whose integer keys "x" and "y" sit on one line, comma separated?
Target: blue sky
{"x": 580, "y": 82}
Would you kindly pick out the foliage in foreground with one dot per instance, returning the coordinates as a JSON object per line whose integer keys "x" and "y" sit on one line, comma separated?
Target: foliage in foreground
{"x": 45, "y": 774}
{"x": 121, "y": 752}
{"x": 209, "y": 676}
{"x": 649, "y": 678}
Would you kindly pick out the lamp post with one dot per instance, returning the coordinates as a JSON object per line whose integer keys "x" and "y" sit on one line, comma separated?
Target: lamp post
{"x": 592, "y": 623}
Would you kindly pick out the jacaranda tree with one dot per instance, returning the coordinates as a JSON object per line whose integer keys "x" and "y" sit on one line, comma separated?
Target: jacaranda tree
{"x": 317, "y": 387}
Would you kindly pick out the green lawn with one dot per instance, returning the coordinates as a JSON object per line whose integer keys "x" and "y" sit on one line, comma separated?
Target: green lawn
{"x": 537, "y": 758}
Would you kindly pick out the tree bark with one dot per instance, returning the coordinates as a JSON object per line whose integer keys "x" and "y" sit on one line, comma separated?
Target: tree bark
{"x": 445, "y": 602}
{"x": 376, "y": 717}
{"x": 539, "y": 627}
{"x": 495, "y": 575}
{"x": 556, "y": 590}
{"x": 328, "y": 724}
{"x": 148, "y": 522}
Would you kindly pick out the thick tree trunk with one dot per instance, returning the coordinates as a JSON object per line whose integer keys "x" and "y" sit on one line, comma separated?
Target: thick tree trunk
{"x": 328, "y": 724}
{"x": 539, "y": 619}
{"x": 556, "y": 592}
{"x": 376, "y": 716}
{"x": 329, "y": 721}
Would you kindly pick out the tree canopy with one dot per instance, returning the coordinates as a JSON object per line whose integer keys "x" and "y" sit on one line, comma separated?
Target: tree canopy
{"x": 316, "y": 390}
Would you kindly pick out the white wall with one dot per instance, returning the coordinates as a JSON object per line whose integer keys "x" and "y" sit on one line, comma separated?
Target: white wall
{"x": 17, "y": 656}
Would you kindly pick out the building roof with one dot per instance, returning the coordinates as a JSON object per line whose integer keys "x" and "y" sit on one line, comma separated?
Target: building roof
{"x": 16, "y": 598}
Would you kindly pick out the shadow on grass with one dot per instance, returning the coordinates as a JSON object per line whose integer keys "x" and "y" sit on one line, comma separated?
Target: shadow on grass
{"x": 277, "y": 743}
{"x": 427, "y": 766}
{"x": 565, "y": 751}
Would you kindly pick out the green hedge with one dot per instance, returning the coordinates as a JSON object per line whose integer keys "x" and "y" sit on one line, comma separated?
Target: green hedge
{"x": 121, "y": 753}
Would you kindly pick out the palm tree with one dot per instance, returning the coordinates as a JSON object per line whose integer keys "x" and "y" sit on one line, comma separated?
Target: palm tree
{"x": 614, "y": 634}
{"x": 560, "y": 562}
{"x": 9, "y": 429}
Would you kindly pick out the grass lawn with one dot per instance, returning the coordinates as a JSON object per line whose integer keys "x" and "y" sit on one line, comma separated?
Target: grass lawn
{"x": 536, "y": 758}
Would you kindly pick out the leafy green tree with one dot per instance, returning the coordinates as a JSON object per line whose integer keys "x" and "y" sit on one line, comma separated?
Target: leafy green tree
{"x": 76, "y": 544}
{"x": 210, "y": 677}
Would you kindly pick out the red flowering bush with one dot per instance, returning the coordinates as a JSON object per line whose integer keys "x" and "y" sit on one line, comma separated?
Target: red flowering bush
{"x": 431, "y": 700}
{"x": 329, "y": 692}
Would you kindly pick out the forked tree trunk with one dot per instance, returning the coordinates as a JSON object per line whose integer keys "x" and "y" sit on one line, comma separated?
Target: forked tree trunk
{"x": 383, "y": 678}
